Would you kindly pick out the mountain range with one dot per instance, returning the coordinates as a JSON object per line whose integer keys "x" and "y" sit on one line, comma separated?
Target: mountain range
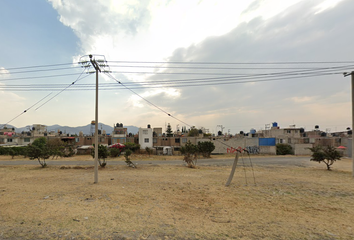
{"x": 76, "y": 130}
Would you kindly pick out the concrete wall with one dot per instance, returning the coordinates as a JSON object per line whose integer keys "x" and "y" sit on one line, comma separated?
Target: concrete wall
{"x": 224, "y": 145}
{"x": 302, "y": 149}
{"x": 272, "y": 150}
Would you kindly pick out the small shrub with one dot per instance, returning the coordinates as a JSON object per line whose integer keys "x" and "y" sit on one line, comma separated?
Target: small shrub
{"x": 190, "y": 152}
{"x": 127, "y": 154}
{"x": 148, "y": 150}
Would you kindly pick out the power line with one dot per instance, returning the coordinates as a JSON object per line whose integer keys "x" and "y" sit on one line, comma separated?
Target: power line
{"x": 26, "y": 110}
{"x": 159, "y": 84}
{"x": 38, "y": 66}
{"x": 109, "y": 75}
{"x": 35, "y": 77}
{"x": 62, "y": 90}
{"x": 40, "y": 70}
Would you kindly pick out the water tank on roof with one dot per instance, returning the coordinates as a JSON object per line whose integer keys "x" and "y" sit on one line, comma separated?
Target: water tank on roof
{"x": 302, "y": 130}
{"x": 121, "y": 125}
{"x": 275, "y": 124}
{"x": 253, "y": 131}
{"x": 241, "y": 132}
{"x": 317, "y": 127}
{"x": 149, "y": 126}
{"x": 323, "y": 134}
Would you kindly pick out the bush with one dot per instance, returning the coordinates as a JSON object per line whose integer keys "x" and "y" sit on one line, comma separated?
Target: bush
{"x": 284, "y": 149}
{"x": 148, "y": 150}
{"x": 127, "y": 154}
{"x": 116, "y": 149}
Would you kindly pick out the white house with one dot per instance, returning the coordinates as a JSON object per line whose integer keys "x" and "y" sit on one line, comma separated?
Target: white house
{"x": 145, "y": 137}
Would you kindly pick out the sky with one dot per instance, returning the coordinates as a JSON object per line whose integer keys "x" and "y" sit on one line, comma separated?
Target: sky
{"x": 221, "y": 65}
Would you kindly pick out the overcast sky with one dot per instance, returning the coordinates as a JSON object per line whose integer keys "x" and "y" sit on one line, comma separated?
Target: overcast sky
{"x": 296, "y": 35}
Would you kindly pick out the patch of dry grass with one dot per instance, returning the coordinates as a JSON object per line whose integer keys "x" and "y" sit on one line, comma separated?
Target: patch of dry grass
{"x": 175, "y": 202}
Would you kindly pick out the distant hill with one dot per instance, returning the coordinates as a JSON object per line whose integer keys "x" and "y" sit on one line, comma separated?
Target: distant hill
{"x": 76, "y": 130}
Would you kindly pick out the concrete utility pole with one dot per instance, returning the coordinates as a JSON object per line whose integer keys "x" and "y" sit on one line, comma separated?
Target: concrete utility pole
{"x": 352, "y": 88}
{"x": 97, "y": 64}
{"x": 97, "y": 68}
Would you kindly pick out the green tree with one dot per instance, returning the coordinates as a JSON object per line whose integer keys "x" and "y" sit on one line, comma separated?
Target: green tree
{"x": 327, "y": 155}
{"x": 190, "y": 152}
{"x": 193, "y": 132}
{"x": 102, "y": 154}
{"x": 205, "y": 148}
{"x": 284, "y": 149}
{"x": 169, "y": 131}
{"x": 132, "y": 146}
{"x": 39, "y": 150}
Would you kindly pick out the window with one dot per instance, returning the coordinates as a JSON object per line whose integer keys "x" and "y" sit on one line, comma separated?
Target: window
{"x": 288, "y": 131}
{"x": 26, "y": 139}
{"x": 145, "y": 132}
{"x": 155, "y": 140}
{"x": 146, "y": 140}
{"x": 184, "y": 140}
{"x": 177, "y": 140}
{"x": 9, "y": 140}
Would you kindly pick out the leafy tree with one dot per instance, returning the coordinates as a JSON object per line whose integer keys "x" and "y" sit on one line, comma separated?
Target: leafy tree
{"x": 193, "y": 132}
{"x": 284, "y": 149}
{"x": 327, "y": 155}
{"x": 205, "y": 148}
{"x": 39, "y": 150}
{"x": 190, "y": 152}
{"x": 127, "y": 154}
{"x": 102, "y": 154}
{"x": 169, "y": 131}
{"x": 132, "y": 146}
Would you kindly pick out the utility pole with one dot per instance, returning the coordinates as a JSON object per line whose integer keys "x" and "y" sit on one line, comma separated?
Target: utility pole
{"x": 352, "y": 88}
{"x": 97, "y": 65}
{"x": 97, "y": 68}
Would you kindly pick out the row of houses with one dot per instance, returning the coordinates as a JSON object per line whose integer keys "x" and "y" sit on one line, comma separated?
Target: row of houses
{"x": 261, "y": 142}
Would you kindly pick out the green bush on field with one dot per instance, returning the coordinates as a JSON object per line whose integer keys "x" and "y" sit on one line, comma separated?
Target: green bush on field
{"x": 284, "y": 149}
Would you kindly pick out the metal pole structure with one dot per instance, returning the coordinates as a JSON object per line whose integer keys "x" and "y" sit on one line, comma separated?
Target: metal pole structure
{"x": 352, "y": 73}
{"x": 95, "y": 65}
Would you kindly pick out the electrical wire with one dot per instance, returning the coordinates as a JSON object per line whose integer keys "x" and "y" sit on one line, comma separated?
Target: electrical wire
{"x": 25, "y": 110}
{"x": 78, "y": 79}
{"x": 159, "y": 84}
{"x": 152, "y": 104}
{"x": 41, "y": 70}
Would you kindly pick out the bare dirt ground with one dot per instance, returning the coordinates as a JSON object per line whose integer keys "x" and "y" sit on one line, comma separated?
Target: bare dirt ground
{"x": 175, "y": 202}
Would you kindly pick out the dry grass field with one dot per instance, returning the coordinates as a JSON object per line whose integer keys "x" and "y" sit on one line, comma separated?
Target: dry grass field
{"x": 175, "y": 202}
